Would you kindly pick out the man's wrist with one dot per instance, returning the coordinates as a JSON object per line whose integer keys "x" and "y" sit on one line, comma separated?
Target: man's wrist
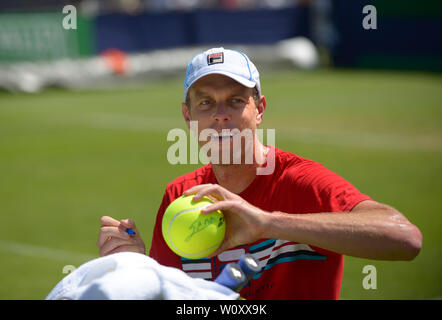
{"x": 265, "y": 223}
{"x": 279, "y": 225}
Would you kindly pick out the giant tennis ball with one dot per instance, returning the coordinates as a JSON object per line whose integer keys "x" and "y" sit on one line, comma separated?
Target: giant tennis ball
{"x": 189, "y": 233}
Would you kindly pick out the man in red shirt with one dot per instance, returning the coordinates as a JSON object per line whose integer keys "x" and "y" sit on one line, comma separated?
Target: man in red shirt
{"x": 298, "y": 218}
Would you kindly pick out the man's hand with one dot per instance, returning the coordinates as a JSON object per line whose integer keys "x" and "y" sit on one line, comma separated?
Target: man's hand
{"x": 244, "y": 223}
{"x": 113, "y": 237}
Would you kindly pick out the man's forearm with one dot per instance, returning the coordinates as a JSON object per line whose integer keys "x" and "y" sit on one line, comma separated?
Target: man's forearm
{"x": 372, "y": 234}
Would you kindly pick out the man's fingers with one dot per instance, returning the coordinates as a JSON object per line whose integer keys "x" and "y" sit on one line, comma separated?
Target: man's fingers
{"x": 109, "y": 221}
{"x": 195, "y": 189}
{"x": 212, "y": 191}
{"x": 110, "y": 245}
{"x": 129, "y": 223}
{"x": 114, "y": 237}
{"x": 111, "y": 232}
{"x": 220, "y": 205}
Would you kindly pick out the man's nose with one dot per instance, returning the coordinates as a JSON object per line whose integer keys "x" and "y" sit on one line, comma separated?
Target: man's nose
{"x": 221, "y": 112}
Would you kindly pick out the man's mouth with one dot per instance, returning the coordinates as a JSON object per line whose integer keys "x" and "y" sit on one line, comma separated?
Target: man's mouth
{"x": 223, "y": 135}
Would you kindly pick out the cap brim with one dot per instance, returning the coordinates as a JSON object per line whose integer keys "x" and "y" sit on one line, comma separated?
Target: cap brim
{"x": 245, "y": 82}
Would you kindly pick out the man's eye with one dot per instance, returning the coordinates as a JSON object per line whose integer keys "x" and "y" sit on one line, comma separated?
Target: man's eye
{"x": 204, "y": 103}
{"x": 237, "y": 101}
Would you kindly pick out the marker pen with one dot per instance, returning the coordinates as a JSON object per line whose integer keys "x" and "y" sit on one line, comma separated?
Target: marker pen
{"x": 130, "y": 231}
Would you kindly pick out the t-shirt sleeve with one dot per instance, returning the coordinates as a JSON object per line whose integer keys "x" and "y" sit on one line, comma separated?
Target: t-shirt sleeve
{"x": 330, "y": 191}
{"x": 322, "y": 190}
{"x": 159, "y": 249}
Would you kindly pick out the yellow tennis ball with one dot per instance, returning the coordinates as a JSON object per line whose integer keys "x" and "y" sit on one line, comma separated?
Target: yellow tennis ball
{"x": 189, "y": 233}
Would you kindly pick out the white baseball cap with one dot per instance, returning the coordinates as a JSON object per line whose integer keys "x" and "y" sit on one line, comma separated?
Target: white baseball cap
{"x": 231, "y": 63}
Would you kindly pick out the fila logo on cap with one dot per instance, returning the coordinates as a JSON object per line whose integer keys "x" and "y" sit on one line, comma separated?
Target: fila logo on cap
{"x": 214, "y": 58}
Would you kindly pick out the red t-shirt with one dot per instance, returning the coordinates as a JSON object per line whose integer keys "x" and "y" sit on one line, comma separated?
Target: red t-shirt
{"x": 289, "y": 270}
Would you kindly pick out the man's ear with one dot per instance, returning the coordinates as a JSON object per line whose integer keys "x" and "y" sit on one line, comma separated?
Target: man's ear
{"x": 260, "y": 109}
{"x": 185, "y": 109}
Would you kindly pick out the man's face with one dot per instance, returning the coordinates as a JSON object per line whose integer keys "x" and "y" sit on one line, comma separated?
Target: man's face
{"x": 218, "y": 102}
